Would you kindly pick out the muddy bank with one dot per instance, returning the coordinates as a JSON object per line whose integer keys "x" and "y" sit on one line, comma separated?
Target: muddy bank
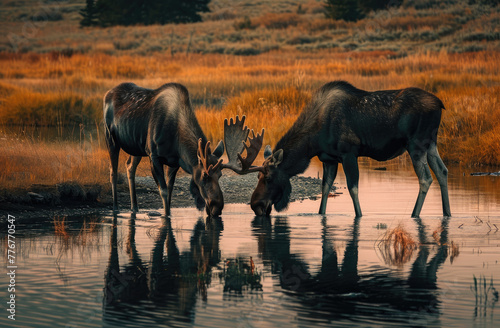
{"x": 73, "y": 199}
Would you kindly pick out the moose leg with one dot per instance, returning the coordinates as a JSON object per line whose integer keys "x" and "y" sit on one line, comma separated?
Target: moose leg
{"x": 329, "y": 174}
{"x": 132, "y": 163}
{"x": 114, "y": 152}
{"x": 171, "y": 172}
{"x": 350, "y": 165}
{"x": 159, "y": 176}
{"x": 441, "y": 172}
{"x": 419, "y": 160}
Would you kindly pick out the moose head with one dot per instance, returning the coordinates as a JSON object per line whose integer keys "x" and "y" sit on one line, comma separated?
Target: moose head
{"x": 205, "y": 182}
{"x": 273, "y": 187}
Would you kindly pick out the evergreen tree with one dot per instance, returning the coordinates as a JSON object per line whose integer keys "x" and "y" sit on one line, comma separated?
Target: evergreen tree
{"x": 89, "y": 14}
{"x": 110, "y": 12}
{"x": 347, "y": 10}
{"x": 130, "y": 12}
{"x": 370, "y": 5}
{"x": 173, "y": 11}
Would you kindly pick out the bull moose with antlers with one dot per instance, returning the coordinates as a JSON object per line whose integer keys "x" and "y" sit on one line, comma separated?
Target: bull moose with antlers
{"x": 161, "y": 124}
{"x": 340, "y": 124}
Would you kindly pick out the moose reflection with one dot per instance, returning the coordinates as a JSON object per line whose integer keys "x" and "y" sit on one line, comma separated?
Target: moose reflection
{"x": 338, "y": 290}
{"x": 171, "y": 281}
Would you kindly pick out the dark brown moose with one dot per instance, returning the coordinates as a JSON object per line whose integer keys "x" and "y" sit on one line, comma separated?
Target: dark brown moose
{"x": 161, "y": 124}
{"x": 342, "y": 123}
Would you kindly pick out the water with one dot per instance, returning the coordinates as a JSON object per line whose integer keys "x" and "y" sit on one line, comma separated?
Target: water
{"x": 296, "y": 269}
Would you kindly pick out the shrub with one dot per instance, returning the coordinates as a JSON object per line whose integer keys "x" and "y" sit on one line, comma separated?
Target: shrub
{"x": 244, "y": 51}
{"x": 410, "y": 22}
{"x": 56, "y": 54}
{"x": 50, "y": 15}
{"x": 126, "y": 45}
{"x": 480, "y": 36}
{"x": 278, "y": 21}
{"x": 224, "y": 14}
{"x": 347, "y": 10}
{"x": 302, "y": 39}
{"x": 245, "y": 23}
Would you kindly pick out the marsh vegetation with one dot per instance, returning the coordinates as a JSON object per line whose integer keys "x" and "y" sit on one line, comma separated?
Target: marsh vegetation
{"x": 266, "y": 68}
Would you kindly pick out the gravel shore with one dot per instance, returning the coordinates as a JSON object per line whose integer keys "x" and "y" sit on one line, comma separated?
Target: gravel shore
{"x": 74, "y": 200}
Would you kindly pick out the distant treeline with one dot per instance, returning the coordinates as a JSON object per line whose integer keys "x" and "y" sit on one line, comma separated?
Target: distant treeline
{"x": 353, "y": 10}
{"x": 146, "y": 12}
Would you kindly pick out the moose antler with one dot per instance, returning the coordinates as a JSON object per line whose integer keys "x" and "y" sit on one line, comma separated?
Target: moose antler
{"x": 204, "y": 155}
{"x": 235, "y": 136}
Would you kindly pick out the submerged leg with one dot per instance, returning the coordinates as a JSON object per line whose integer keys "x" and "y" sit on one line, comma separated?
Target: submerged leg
{"x": 132, "y": 163}
{"x": 350, "y": 165}
{"x": 159, "y": 176}
{"x": 419, "y": 160}
{"x": 114, "y": 152}
{"x": 441, "y": 172}
{"x": 329, "y": 174}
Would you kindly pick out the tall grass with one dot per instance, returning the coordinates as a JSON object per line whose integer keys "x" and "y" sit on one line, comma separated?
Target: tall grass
{"x": 44, "y": 109}
{"x": 470, "y": 129}
{"x": 25, "y": 162}
{"x": 271, "y": 89}
{"x": 397, "y": 246}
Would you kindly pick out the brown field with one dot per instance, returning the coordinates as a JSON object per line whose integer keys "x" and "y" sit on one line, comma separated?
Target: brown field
{"x": 266, "y": 71}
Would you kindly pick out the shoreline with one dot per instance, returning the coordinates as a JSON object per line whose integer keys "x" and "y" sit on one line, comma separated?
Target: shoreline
{"x": 47, "y": 202}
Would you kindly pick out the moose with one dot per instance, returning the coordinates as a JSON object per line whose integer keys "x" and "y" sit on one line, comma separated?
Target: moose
{"x": 340, "y": 124}
{"x": 161, "y": 124}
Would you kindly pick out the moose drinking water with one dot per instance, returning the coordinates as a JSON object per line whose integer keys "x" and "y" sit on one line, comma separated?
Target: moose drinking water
{"x": 342, "y": 123}
{"x": 161, "y": 124}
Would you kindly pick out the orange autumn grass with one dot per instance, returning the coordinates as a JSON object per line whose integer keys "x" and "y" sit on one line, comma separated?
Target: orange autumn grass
{"x": 397, "y": 246}
{"x": 270, "y": 89}
{"x": 25, "y": 162}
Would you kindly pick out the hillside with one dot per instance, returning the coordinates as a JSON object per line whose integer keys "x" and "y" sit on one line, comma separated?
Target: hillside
{"x": 247, "y": 27}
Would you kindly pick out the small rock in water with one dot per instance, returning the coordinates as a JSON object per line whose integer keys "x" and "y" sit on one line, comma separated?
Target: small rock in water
{"x": 154, "y": 213}
{"x": 35, "y": 196}
{"x": 485, "y": 173}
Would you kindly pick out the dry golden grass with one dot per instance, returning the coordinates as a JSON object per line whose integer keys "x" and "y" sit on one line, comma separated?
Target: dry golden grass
{"x": 60, "y": 228}
{"x": 261, "y": 108}
{"x": 470, "y": 130}
{"x": 25, "y": 162}
{"x": 397, "y": 246}
{"x": 270, "y": 89}
{"x": 453, "y": 251}
{"x": 68, "y": 240}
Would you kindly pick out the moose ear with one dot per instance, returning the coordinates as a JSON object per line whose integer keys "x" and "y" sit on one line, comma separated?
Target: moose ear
{"x": 219, "y": 150}
{"x": 267, "y": 152}
{"x": 278, "y": 157}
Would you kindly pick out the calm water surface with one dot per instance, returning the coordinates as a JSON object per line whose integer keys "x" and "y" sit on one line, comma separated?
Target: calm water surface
{"x": 296, "y": 269}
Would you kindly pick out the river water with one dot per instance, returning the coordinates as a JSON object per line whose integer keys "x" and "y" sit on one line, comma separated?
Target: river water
{"x": 295, "y": 269}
